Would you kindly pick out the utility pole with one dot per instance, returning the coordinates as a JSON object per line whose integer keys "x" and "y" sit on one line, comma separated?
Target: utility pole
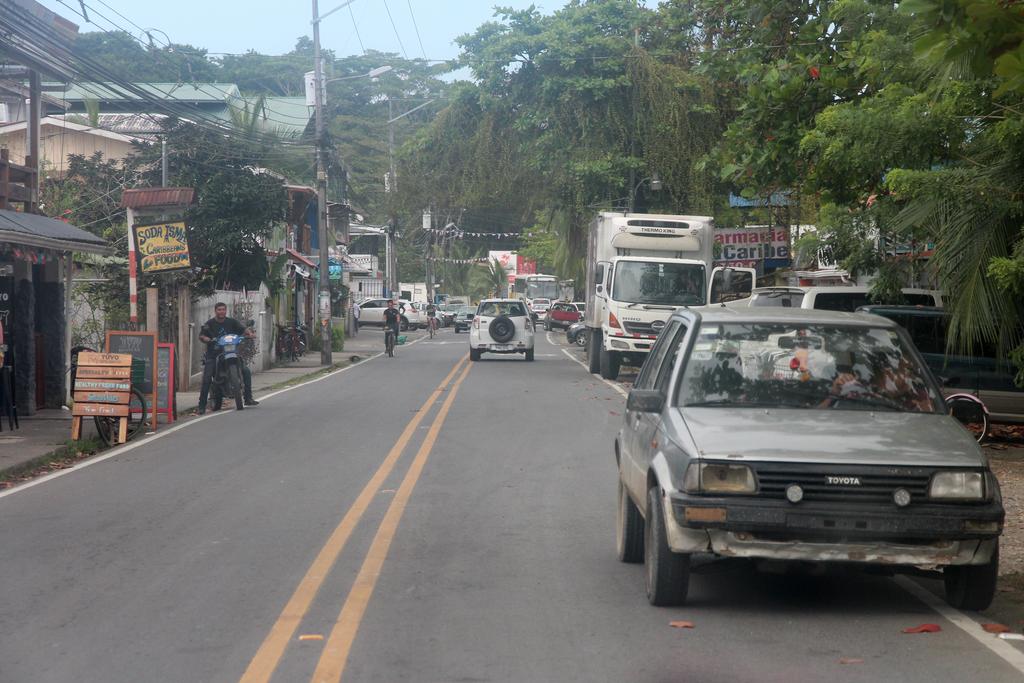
{"x": 326, "y": 356}
{"x": 429, "y": 264}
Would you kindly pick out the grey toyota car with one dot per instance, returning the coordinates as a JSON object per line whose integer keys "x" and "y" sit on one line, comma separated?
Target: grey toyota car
{"x": 800, "y": 435}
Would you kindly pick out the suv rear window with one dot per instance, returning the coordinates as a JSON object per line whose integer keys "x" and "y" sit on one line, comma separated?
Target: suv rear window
{"x": 495, "y": 308}
{"x": 778, "y": 299}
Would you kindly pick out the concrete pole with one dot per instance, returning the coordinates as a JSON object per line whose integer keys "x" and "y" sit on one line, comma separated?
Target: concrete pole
{"x": 321, "y": 197}
{"x": 153, "y": 310}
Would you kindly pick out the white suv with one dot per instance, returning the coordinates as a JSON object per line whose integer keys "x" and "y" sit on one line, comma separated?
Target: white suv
{"x": 501, "y": 326}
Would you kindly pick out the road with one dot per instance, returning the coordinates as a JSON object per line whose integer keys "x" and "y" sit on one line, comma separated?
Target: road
{"x": 421, "y": 518}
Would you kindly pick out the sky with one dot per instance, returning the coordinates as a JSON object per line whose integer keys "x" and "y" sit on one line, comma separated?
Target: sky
{"x": 272, "y": 26}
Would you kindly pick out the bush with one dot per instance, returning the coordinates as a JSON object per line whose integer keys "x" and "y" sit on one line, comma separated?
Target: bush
{"x": 337, "y": 339}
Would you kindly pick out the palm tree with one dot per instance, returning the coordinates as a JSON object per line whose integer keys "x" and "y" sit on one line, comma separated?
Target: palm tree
{"x": 490, "y": 280}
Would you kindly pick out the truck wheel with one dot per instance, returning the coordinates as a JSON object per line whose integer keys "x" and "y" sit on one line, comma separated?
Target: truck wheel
{"x": 629, "y": 530}
{"x": 610, "y": 361}
{"x": 593, "y": 351}
{"x": 668, "y": 573}
{"x": 972, "y": 586}
{"x": 474, "y": 354}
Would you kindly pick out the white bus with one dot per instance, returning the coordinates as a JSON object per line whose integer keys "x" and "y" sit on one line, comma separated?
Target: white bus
{"x": 538, "y": 291}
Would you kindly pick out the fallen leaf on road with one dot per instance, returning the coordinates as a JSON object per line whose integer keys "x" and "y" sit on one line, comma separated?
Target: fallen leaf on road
{"x": 851, "y": 660}
{"x": 923, "y": 628}
{"x": 612, "y": 412}
{"x": 996, "y": 628}
{"x": 681, "y": 624}
{"x": 311, "y": 636}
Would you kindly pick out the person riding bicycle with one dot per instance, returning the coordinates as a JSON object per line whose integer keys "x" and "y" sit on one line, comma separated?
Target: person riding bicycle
{"x": 432, "y": 316}
{"x": 392, "y": 319}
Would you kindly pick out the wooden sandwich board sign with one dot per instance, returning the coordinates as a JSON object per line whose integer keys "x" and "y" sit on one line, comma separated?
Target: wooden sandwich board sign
{"x": 102, "y": 389}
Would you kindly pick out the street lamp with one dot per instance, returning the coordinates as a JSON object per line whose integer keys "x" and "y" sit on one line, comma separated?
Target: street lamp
{"x": 372, "y": 73}
{"x": 326, "y": 357}
{"x": 656, "y": 186}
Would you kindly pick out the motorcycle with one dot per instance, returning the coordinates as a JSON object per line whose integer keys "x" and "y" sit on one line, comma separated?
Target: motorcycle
{"x": 227, "y": 372}
{"x": 577, "y": 334}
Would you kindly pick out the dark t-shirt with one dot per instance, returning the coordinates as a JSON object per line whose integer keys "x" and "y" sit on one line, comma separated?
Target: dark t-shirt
{"x": 391, "y": 318}
{"x": 215, "y": 329}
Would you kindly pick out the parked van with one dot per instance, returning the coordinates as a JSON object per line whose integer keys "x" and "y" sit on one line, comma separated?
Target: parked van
{"x": 846, "y": 299}
{"x": 983, "y": 374}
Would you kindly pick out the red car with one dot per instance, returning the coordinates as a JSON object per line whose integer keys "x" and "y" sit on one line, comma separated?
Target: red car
{"x": 563, "y": 314}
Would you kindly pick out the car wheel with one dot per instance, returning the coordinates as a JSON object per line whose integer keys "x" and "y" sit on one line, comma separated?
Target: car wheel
{"x": 609, "y": 361}
{"x": 594, "y": 351}
{"x": 972, "y": 586}
{"x": 581, "y": 340}
{"x": 629, "y": 536}
{"x": 529, "y": 354}
{"x": 474, "y": 354}
{"x": 668, "y": 573}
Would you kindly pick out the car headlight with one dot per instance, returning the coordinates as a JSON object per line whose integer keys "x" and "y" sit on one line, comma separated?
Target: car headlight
{"x": 707, "y": 477}
{"x": 957, "y": 485}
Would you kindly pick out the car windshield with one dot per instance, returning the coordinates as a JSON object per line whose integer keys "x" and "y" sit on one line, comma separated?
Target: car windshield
{"x": 580, "y": 307}
{"x": 547, "y": 289}
{"x": 670, "y": 284}
{"x": 805, "y": 365}
{"x": 496, "y": 308}
{"x": 541, "y": 302}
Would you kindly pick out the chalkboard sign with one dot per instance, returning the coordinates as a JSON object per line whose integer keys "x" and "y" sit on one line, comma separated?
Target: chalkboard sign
{"x": 165, "y": 380}
{"x": 141, "y": 346}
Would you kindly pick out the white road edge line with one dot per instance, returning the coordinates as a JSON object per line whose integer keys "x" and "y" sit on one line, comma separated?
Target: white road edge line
{"x": 1007, "y": 652}
{"x": 120, "y": 450}
{"x": 613, "y": 385}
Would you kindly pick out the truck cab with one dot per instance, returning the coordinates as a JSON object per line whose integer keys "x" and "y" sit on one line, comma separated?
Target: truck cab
{"x": 640, "y": 269}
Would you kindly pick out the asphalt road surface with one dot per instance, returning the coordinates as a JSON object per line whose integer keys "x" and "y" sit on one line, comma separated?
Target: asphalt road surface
{"x": 421, "y": 518}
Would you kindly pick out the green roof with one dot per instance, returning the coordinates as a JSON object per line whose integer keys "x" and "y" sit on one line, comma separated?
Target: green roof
{"x": 182, "y": 92}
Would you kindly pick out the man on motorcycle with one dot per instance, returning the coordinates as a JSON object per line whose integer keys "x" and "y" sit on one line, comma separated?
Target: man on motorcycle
{"x": 392, "y": 319}
{"x": 213, "y": 329}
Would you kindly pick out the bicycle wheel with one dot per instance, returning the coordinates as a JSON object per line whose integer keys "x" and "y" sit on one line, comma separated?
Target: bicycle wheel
{"x": 107, "y": 427}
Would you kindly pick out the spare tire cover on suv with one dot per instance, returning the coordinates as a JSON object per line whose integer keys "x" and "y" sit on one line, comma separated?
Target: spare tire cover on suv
{"x": 502, "y": 329}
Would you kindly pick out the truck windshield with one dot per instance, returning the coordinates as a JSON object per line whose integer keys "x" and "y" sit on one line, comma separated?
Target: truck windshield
{"x": 544, "y": 289}
{"x": 670, "y": 284}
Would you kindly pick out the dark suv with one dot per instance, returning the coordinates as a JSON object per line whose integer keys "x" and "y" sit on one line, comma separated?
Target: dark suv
{"x": 983, "y": 373}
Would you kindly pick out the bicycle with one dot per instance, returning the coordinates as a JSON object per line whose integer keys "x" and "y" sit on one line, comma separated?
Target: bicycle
{"x": 971, "y": 412}
{"x": 389, "y": 343}
{"x": 107, "y": 427}
{"x": 432, "y": 325}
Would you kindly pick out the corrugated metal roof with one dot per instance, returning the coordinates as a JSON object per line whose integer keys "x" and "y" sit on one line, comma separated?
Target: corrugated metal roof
{"x": 47, "y": 233}
{"x": 182, "y": 92}
{"x": 154, "y": 197}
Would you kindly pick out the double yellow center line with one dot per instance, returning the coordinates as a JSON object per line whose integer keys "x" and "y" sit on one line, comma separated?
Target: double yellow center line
{"x": 339, "y": 643}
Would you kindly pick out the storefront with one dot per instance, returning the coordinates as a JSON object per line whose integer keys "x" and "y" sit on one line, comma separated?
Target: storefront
{"x": 35, "y": 255}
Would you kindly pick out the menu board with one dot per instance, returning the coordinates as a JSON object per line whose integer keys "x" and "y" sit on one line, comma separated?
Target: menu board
{"x": 140, "y": 345}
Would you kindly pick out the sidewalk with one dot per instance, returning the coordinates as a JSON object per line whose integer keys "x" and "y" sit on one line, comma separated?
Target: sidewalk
{"x": 49, "y": 430}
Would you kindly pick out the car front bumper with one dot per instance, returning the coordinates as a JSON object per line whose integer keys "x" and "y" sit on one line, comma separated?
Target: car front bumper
{"x": 921, "y": 535}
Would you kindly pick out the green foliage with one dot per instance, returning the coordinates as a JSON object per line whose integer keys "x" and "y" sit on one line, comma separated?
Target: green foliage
{"x": 337, "y": 339}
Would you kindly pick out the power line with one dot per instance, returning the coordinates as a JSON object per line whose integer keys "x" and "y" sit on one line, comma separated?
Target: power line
{"x": 358, "y": 37}
{"x": 417, "y": 28}
{"x": 395, "y": 28}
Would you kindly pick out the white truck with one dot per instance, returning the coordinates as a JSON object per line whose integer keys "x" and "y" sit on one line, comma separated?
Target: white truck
{"x": 640, "y": 268}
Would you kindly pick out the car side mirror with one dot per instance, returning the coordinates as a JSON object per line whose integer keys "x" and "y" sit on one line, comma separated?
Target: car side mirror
{"x": 645, "y": 401}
